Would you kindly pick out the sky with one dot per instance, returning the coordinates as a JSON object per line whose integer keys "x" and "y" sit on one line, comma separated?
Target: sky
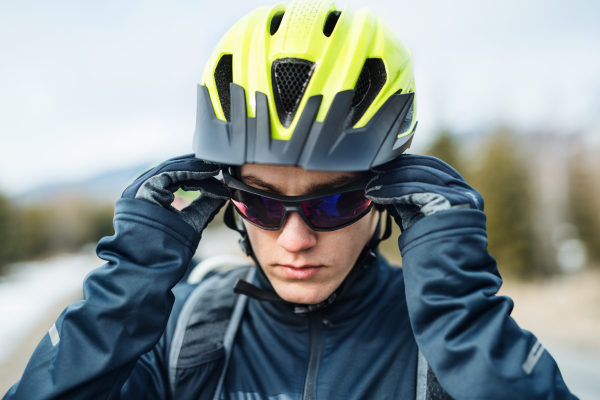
{"x": 88, "y": 87}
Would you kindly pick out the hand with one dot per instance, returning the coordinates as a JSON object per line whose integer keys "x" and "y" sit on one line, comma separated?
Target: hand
{"x": 416, "y": 186}
{"x": 159, "y": 184}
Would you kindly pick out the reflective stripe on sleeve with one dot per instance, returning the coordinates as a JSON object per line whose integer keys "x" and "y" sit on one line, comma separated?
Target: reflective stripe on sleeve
{"x": 53, "y": 332}
{"x": 534, "y": 356}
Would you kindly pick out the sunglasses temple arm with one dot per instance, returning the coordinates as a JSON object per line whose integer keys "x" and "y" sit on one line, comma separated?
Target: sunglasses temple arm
{"x": 229, "y": 219}
{"x": 376, "y": 239}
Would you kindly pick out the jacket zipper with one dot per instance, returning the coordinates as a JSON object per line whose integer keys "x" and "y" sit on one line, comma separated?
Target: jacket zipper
{"x": 316, "y": 344}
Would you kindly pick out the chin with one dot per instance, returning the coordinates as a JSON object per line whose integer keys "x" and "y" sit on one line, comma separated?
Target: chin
{"x": 295, "y": 293}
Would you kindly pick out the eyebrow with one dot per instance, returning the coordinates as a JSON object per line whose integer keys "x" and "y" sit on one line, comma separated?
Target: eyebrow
{"x": 255, "y": 181}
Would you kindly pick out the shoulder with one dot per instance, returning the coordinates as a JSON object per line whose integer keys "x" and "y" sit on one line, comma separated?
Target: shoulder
{"x": 221, "y": 279}
{"x": 390, "y": 271}
{"x": 391, "y": 283}
{"x": 182, "y": 292}
{"x": 214, "y": 291}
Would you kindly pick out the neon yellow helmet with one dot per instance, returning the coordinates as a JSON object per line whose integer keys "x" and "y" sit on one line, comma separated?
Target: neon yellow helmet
{"x": 307, "y": 85}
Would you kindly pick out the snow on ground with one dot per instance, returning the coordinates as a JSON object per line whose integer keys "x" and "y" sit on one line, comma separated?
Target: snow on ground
{"x": 31, "y": 289}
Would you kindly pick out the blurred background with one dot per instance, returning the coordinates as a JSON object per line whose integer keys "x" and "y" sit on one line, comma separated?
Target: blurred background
{"x": 94, "y": 93}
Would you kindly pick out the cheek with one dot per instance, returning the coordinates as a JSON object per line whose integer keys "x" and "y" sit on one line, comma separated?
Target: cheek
{"x": 350, "y": 241}
{"x": 261, "y": 239}
{"x": 338, "y": 248}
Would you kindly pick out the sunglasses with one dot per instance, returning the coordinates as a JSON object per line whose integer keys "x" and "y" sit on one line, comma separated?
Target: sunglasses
{"x": 323, "y": 211}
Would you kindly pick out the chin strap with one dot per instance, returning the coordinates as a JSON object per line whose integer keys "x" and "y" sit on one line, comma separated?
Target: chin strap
{"x": 366, "y": 258}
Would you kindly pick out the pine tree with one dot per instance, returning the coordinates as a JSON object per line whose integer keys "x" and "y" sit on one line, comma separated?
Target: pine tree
{"x": 583, "y": 207}
{"x": 503, "y": 181}
{"x": 446, "y": 148}
{"x": 5, "y": 229}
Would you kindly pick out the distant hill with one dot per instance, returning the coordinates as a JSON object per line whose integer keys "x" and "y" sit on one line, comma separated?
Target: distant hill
{"x": 107, "y": 186}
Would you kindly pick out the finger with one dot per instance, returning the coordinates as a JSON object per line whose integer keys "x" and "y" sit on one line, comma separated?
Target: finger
{"x": 391, "y": 209}
{"x": 210, "y": 187}
{"x": 188, "y": 165}
{"x": 456, "y": 190}
{"x": 155, "y": 170}
{"x": 407, "y": 160}
{"x": 417, "y": 174}
{"x": 183, "y": 163}
{"x": 391, "y": 194}
{"x": 201, "y": 211}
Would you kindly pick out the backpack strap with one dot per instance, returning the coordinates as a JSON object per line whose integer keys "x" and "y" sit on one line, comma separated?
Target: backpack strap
{"x": 207, "y": 324}
{"x": 232, "y": 328}
{"x": 428, "y": 387}
{"x": 422, "y": 367}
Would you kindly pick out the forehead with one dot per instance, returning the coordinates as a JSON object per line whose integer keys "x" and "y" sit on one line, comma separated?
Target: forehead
{"x": 293, "y": 181}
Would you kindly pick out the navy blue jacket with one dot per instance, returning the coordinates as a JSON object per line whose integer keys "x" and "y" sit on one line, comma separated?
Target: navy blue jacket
{"x": 113, "y": 344}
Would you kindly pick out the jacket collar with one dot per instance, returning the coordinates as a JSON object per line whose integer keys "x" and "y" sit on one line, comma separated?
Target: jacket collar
{"x": 362, "y": 292}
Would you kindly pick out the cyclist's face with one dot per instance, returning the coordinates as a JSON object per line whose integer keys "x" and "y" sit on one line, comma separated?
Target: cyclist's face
{"x": 304, "y": 266}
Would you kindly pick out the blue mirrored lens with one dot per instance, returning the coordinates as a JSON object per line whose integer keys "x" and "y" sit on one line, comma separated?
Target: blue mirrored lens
{"x": 336, "y": 210}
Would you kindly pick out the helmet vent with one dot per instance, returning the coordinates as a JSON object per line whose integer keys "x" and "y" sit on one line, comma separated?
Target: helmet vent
{"x": 275, "y": 22}
{"x": 331, "y": 22}
{"x": 362, "y": 87}
{"x": 290, "y": 79}
{"x": 223, "y": 78}
{"x": 369, "y": 84}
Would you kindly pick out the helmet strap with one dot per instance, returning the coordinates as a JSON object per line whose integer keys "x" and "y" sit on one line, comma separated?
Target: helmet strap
{"x": 366, "y": 258}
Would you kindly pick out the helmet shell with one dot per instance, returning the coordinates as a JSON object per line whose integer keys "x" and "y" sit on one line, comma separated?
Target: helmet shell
{"x": 312, "y": 71}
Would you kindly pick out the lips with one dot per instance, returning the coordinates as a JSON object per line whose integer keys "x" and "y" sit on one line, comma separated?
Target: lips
{"x": 301, "y": 271}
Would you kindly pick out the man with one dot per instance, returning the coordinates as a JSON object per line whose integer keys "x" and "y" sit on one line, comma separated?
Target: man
{"x": 306, "y": 111}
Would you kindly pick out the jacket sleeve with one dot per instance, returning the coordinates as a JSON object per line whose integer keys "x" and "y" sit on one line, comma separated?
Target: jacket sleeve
{"x": 150, "y": 377}
{"x": 474, "y": 347}
{"x": 95, "y": 344}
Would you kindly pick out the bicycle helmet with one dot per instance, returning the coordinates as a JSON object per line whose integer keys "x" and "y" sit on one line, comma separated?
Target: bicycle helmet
{"x": 308, "y": 85}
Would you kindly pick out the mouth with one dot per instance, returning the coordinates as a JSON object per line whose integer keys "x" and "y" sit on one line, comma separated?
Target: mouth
{"x": 300, "y": 271}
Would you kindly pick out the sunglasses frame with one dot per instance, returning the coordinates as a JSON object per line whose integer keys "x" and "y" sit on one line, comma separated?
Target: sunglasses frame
{"x": 294, "y": 203}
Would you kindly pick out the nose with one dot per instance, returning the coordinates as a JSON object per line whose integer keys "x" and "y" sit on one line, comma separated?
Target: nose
{"x": 295, "y": 235}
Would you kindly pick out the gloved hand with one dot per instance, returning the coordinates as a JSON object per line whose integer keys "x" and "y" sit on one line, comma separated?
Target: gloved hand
{"x": 159, "y": 184}
{"x": 414, "y": 186}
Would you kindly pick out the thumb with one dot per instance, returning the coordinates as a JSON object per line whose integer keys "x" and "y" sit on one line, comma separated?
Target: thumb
{"x": 201, "y": 211}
